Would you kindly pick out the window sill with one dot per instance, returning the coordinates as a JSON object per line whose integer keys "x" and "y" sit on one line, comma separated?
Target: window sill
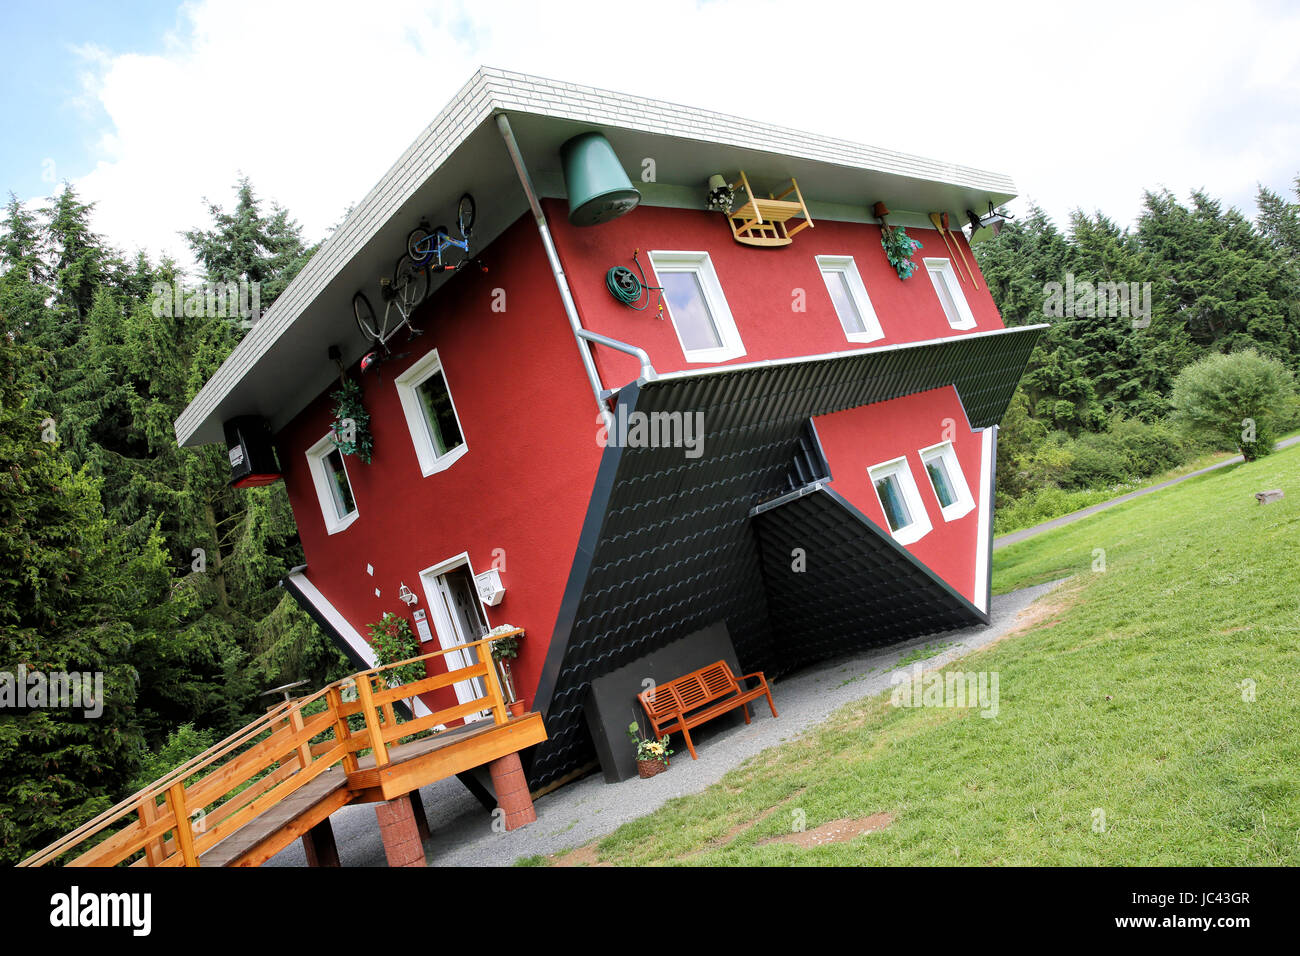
{"x": 912, "y": 533}
{"x": 713, "y": 356}
{"x": 431, "y": 466}
{"x": 342, "y": 524}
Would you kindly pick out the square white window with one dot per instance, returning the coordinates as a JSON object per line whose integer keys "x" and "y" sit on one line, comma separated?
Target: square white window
{"x": 900, "y": 501}
{"x": 705, "y": 328}
{"x": 431, "y": 414}
{"x": 329, "y": 474}
{"x": 947, "y": 480}
{"x": 849, "y": 296}
{"x": 948, "y": 288}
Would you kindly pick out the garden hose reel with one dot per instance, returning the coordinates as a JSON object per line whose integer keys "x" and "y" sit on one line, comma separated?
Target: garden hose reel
{"x": 624, "y": 285}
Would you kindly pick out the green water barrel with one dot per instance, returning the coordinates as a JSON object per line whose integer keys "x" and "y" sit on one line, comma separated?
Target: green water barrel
{"x": 598, "y": 188}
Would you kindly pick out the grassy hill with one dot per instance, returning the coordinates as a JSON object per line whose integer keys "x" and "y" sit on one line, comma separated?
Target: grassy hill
{"x": 1159, "y": 692}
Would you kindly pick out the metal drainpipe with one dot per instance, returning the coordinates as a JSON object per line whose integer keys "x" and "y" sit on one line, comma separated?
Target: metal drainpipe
{"x": 580, "y": 335}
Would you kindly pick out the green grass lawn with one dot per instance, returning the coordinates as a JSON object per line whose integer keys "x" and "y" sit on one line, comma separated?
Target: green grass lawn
{"x": 1126, "y": 698}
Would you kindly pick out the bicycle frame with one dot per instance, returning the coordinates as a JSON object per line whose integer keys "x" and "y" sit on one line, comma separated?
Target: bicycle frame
{"x": 433, "y": 246}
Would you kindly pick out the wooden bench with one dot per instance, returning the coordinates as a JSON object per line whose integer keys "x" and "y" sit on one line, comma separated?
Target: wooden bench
{"x": 699, "y": 696}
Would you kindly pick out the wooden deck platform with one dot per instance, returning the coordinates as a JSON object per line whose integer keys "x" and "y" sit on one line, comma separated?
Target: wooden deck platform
{"x": 411, "y": 766}
{"x": 245, "y": 799}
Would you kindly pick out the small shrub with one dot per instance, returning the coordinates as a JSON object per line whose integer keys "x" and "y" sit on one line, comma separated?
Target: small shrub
{"x": 1236, "y": 399}
{"x": 183, "y": 744}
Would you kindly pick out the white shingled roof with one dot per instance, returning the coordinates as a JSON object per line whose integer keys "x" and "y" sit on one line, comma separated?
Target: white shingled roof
{"x": 280, "y": 364}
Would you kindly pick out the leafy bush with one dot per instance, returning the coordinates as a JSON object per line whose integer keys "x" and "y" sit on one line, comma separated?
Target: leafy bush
{"x": 183, "y": 744}
{"x": 392, "y": 641}
{"x": 1044, "y": 504}
{"x": 1128, "y": 450}
{"x": 1236, "y": 399}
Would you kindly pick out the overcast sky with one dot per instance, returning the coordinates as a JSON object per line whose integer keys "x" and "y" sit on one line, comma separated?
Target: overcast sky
{"x": 149, "y": 106}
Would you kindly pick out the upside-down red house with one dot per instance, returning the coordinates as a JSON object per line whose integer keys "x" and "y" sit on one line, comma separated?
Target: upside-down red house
{"x": 689, "y": 395}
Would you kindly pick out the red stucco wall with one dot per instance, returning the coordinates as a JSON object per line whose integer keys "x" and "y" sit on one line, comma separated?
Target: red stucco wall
{"x": 759, "y": 285}
{"x": 529, "y": 420}
{"x": 859, "y": 438}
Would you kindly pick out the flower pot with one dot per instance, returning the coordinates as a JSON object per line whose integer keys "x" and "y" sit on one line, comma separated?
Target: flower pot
{"x": 516, "y": 708}
{"x": 648, "y": 768}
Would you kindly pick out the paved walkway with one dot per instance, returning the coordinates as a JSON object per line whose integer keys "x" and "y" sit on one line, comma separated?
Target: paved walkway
{"x": 1021, "y": 535}
{"x": 590, "y": 808}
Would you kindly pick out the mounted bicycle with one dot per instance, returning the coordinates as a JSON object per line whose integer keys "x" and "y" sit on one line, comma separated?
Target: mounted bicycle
{"x": 428, "y": 251}
{"x": 402, "y": 293}
{"x": 436, "y": 248}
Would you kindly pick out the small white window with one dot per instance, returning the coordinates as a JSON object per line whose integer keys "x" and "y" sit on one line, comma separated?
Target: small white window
{"x": 948, "y": 289}
{"x": 849, "y": 295}
{"x": 330, "y": 475}
{"x": 947, "y": 480}
{"x": 430, "y": 414}
{"x": 705, "y": 328}
{"x": 900, "y": 501}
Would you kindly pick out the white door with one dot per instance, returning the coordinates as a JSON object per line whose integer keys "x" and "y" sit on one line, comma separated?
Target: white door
{"x": 458, "y": 620}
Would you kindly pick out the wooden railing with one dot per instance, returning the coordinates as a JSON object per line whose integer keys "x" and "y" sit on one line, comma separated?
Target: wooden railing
{"x": 174, "y": 820}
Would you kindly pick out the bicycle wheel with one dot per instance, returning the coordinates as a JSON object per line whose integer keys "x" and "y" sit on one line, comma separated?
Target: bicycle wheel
{"x": 418, "y": 246}
{"x": 365, "y": 316}
{"x": 410, "y": 285}
{"x": 465, "y": 215}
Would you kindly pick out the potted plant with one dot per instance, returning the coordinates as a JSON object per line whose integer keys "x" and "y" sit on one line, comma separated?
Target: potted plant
{"x": 899, "y": 248}
{"x": 504, "y": 650}
{"x": 651, "y": 755}
{"x": 392, "y": 641}
{"x": 350, "y": 430}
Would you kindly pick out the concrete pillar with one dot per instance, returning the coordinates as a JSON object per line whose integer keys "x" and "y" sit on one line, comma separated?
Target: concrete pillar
{"x": 318, "y": 843}
{"x": 512, "y": 791}
{"x": 397, "y": 827}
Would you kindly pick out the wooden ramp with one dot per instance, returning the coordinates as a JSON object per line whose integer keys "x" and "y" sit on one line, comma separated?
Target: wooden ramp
{"x": 242, "y": 801}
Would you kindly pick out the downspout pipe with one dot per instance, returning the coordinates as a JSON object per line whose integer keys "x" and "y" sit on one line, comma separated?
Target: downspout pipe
{"x": 647, "y": 369}
{"x": 581, "y": 335}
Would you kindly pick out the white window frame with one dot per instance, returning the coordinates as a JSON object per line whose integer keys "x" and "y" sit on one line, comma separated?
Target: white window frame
{"x": 902, "y": 471}
{"x": 320, "y": 478}
{"x": 701, "y": 265}
{"x": 964, "y": 504}
{"x": 941, "y": 270}
{"x": 407, "y": 385}
{"x": 845, "y": 266}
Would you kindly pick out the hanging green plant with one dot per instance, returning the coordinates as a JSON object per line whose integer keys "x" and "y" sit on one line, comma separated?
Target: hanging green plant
{"x": 392, "y": 641}
{"x": 899, "y": 248}
{"x": 351, "y": 429}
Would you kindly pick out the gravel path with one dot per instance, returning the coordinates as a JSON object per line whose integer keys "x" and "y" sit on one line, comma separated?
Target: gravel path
{"x": 1021, "y": 535}
{"x": 590, "y": 808}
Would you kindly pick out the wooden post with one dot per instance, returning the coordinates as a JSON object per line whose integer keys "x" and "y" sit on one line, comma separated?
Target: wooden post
{"x": 184, "y": 835}
{"x": 365, "y": 694}
{"x": 318, "y": 843}
{"x": 304, "y": 748}
{"x": 342, "y": 732}
{"x": 496, "y": 700}
{"x": 153, "y": 850}
{"x": 421, "y": 821}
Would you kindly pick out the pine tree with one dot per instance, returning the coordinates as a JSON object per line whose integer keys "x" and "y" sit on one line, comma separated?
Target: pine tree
{"x": 245, "y": 245}
{"x": 74, "y": 597}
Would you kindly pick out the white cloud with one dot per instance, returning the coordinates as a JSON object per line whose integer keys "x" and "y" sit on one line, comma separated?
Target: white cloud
{"x": 1087, "y": 107}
